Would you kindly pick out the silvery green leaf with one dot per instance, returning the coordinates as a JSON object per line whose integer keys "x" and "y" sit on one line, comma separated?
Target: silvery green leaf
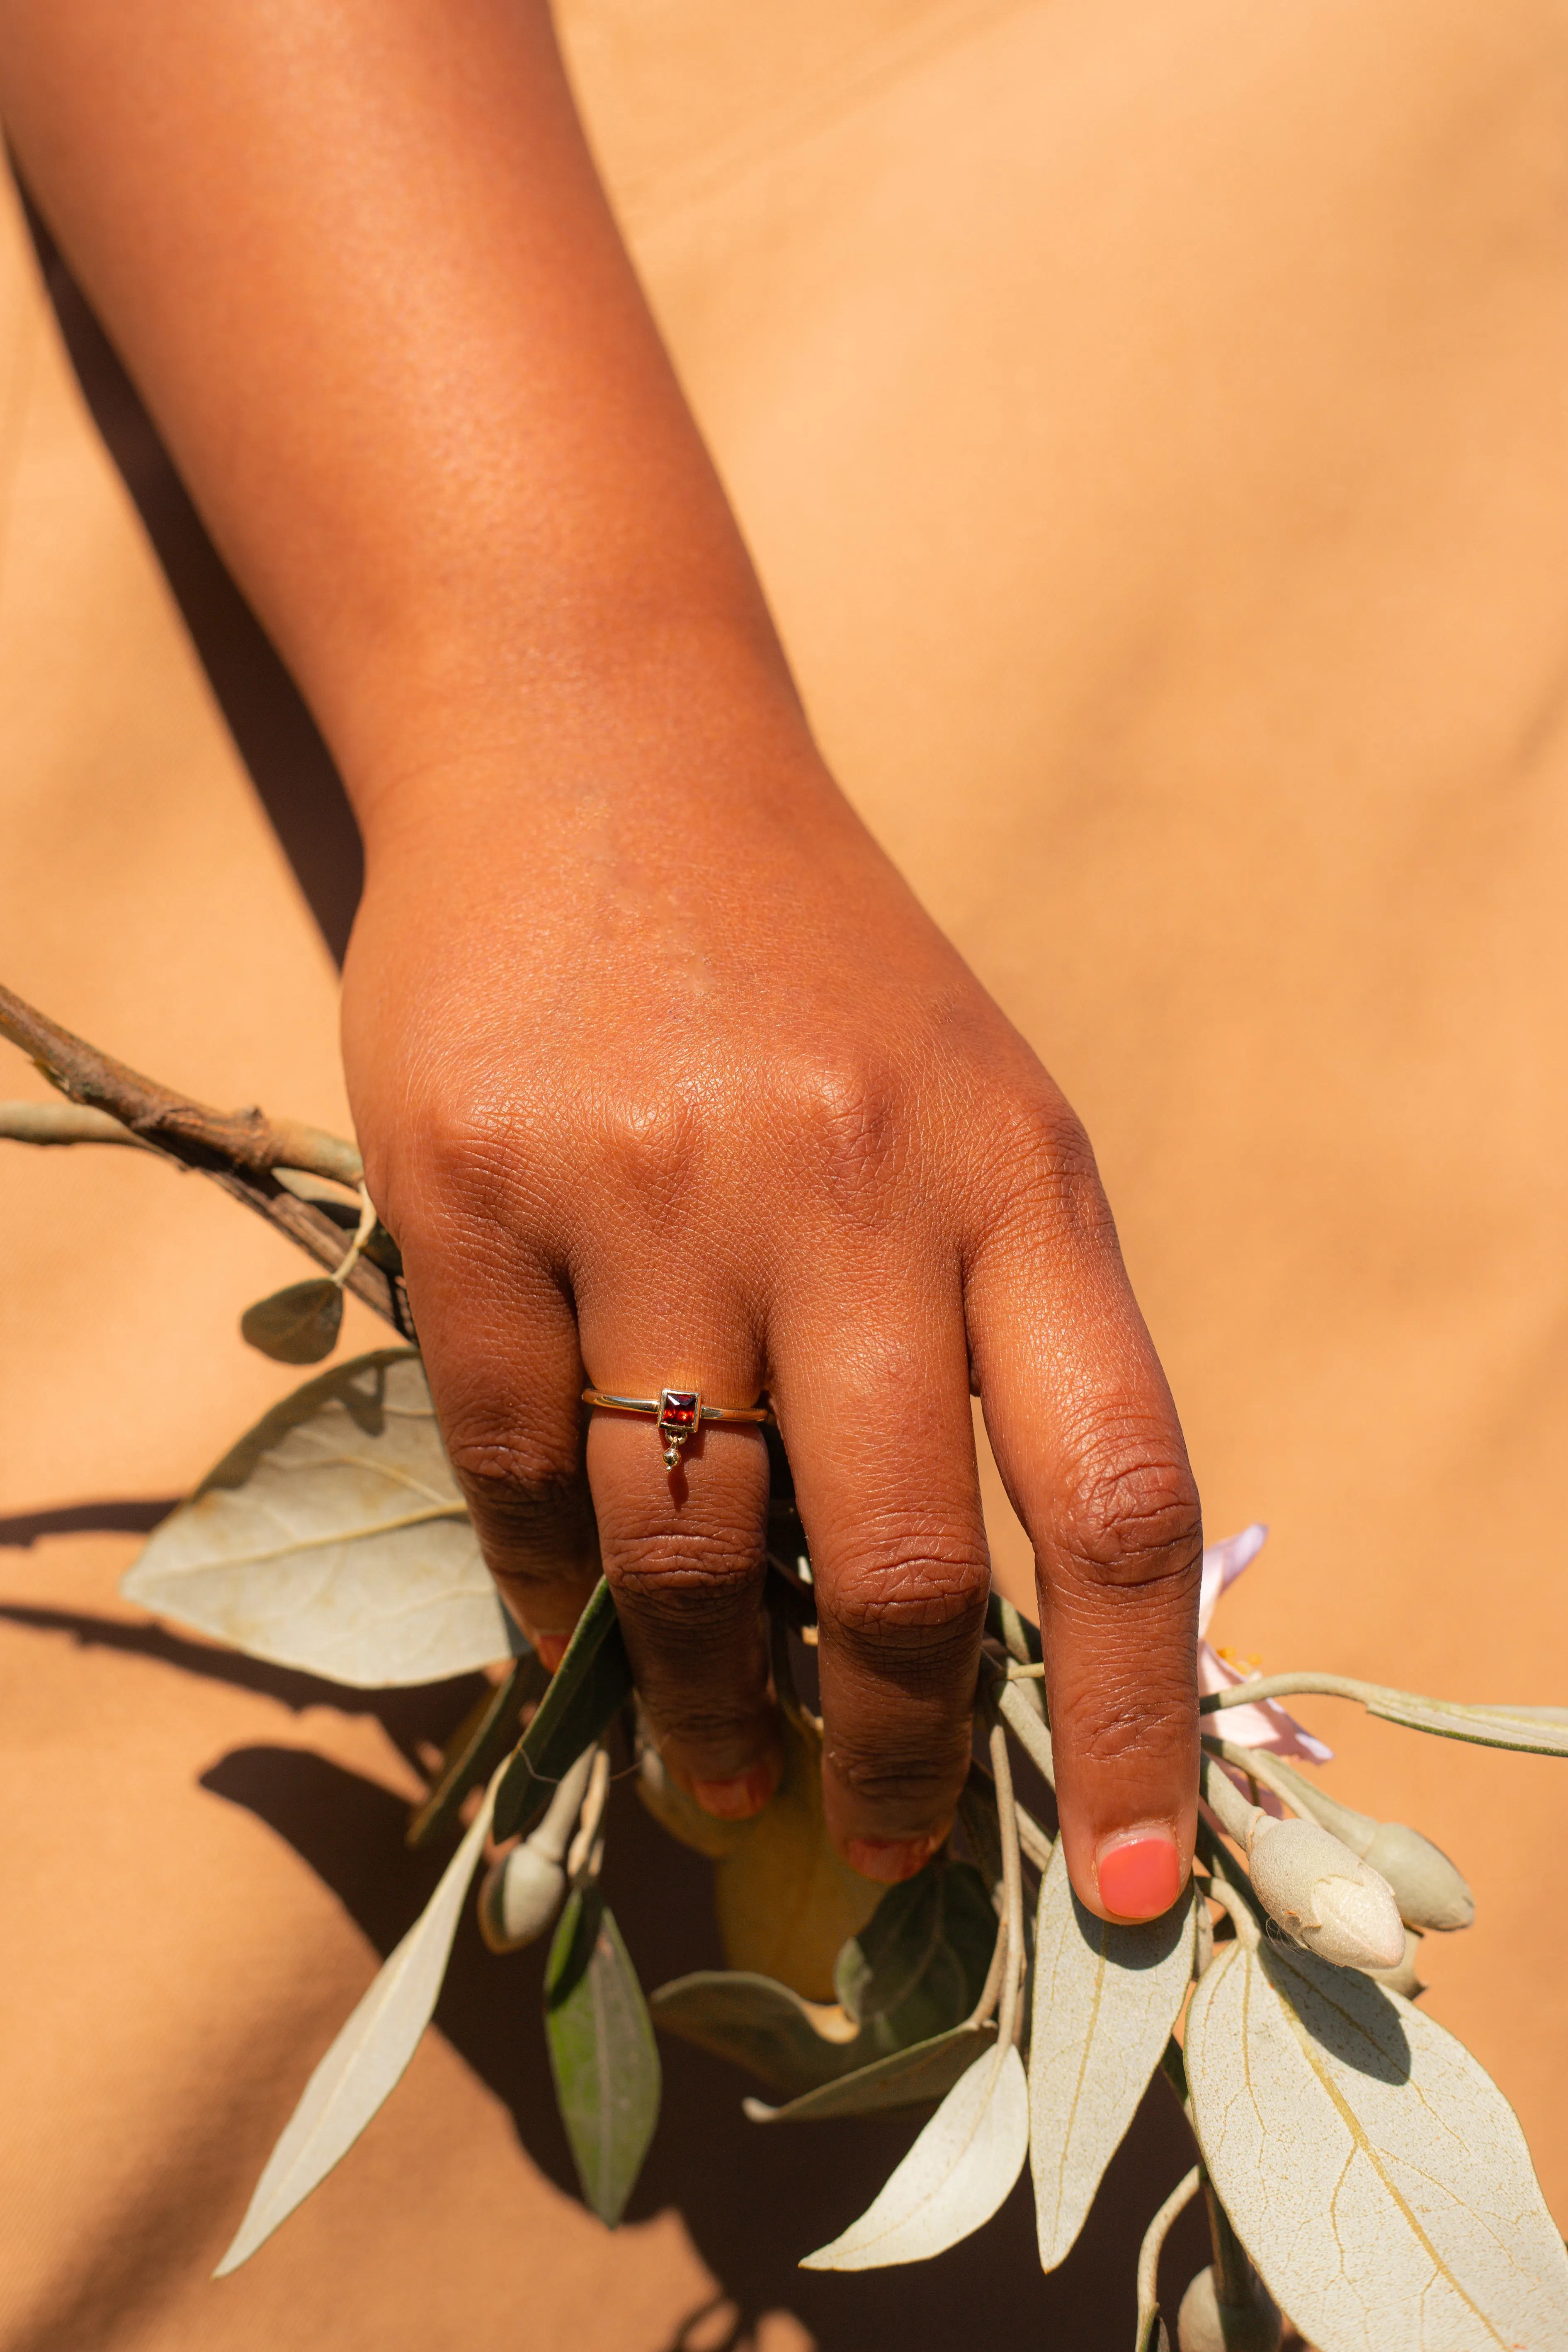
{"x": 590, "y": 1685}
{"x": 601, "y": 2051}
{"x": 959, "y": 2172}
{"x": 297, "y": 1326}
{"x": 1538, "y": 1731}
{"x": 1105, "y": 2000}
{"x": 1377, "y": 2174}
{"x": 366, "y": 2062}
{"x": 332, "y": 1537}
{"x": 904, "y": 2078}
{"x": 789, "y": 2043}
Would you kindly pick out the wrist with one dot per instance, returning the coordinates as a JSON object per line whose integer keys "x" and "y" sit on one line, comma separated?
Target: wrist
{"x": 684, "y": 735}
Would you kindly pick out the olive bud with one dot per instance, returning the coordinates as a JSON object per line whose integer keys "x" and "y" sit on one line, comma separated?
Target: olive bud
{"x": 1323, "y": 1895}
{"x": 519, "y": 1897}
{"x": 1204, "y": 2324}
{"x": 1429, "y": 1891}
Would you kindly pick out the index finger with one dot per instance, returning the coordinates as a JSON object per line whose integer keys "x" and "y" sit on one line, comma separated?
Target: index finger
{"x": 1084, "y": 1433}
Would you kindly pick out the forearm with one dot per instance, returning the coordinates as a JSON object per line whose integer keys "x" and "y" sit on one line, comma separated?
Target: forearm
{"x": 356, "y": 255}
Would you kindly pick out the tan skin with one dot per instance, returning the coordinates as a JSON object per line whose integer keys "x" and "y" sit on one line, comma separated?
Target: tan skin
{"x": 661, "y": 1073}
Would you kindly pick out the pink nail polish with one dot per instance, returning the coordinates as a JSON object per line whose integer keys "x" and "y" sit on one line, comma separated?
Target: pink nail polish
{"x": 551, "y": 1648}
{"x": 889, "y": 1860}
{"x": 739, "y": 1798}
{"x": 1139, "y": 1875}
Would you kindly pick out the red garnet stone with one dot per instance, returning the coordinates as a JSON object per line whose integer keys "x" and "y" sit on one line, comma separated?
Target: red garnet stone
{"x": 679, "y": 1410}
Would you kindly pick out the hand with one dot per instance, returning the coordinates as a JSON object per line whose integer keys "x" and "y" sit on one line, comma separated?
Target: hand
{"x": 661, "y": 1075}
{"x": 674, "y": 1083}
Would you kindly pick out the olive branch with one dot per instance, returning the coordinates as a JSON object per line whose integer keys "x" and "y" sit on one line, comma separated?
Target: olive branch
{"x": 1358, "y": 2168}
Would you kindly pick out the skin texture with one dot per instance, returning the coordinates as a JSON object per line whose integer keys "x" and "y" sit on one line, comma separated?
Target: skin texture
{"x": 661, "y": 1073}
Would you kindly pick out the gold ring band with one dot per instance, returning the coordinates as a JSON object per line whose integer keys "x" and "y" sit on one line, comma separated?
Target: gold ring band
{"x": 679, "y": 1413}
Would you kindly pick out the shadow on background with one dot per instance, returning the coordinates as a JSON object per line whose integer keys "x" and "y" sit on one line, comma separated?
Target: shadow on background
{"x": 126, "y": 1515}
{"x": 754, "y": 2198}
{"x": 290, "y": 767}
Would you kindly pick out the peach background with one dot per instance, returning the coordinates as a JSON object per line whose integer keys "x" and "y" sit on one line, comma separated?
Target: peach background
{"x": 1150, "y": 425}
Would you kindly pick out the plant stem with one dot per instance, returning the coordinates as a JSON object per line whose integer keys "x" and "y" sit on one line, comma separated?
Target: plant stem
{"x": 1021, "y": 1719}
{"x": 238, "y": 1150}
{"x": 1232, "y": 2268}
{"x": 1008, "y": 2021}
{"x": 1154, "y": 2246}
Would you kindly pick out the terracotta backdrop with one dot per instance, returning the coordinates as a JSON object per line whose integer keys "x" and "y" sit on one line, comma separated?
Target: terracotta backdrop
{"x": 1152, "y": 423}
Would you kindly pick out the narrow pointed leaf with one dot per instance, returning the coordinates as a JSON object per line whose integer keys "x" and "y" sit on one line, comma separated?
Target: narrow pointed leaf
{"x": 959, "y": 2172}
{"x": 602, "y": 2053}
{"x": 332, "y": 1537}
{"x": 1377, "y": 2174}
{"x": 366, "y": 2062}
{"x": 474, "y": 1750}
{"x": 1536, "y": 1731}
{"x": 592, "y": 1682}
{"x": 904, "y": 2078}
{"x": 1105, "y": 2000}
{"x": 790, "y": 2044}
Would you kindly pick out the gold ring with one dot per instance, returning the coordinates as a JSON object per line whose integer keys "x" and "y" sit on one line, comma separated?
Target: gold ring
{"x": 679, "y": 1413}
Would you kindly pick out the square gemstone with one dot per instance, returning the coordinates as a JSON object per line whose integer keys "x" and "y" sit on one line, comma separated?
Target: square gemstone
{"x": 679, "y": 1410}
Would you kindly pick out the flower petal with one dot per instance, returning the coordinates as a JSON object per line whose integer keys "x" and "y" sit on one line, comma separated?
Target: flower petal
{"x": 1223, "y": 1563}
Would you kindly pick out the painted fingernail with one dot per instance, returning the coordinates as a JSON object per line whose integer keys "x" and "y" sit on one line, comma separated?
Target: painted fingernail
{"x": 1140, "y": 1873}
{"x": 747, "y": 1794}
{"x": 889, "y": 1860}
{"x": 551, "y": 1649}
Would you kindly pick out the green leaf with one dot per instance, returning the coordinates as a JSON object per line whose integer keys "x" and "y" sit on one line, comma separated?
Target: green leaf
{"x": 1105, "y": 2000}
{"x": 474, "y": 1750}
{"x": 904, "y": 2078}
{"x": 332, "y": 1537}
{"x": 366, "y": 2062}
{"x": 881, "y": 1966}
{"x": 1376, "y": 2175}
{"x": 297, "y": 1326}
{"x": 787, "y": 2043}
{"x": 959, "y": 2172}
{"x": 920, "y": 1959}
{"x": 592, "y": 1682}
{"x": 785, "y": 1898}
{"x": 601, "y": 2051}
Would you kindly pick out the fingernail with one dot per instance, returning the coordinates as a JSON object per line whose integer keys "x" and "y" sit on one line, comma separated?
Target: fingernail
{"x": 551, "y": 1649}
{"x": 1140, "y": 1873}
{"x": 747, "y": 1794}
{"x": 889, "y": 1860}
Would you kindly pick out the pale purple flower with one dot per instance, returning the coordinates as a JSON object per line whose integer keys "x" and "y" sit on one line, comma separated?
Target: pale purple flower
{"x": 1265, "y": 1725}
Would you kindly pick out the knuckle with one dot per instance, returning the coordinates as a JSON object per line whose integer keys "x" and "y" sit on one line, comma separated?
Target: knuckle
{"x": 1132, "y": 1514}
{"x": 919, "y": 1595}
{"x": 454, "y": 1161}
{"x": 850, "y": 1114}
{"x": 1131, "y": 1712}
{"x": 916, "y": 1779}
{"x": 1042, "y": 1174}
{"x": 648, "y": 1146}
{"x": 515, "y": 1485}
{"x": 673, "y": 1575}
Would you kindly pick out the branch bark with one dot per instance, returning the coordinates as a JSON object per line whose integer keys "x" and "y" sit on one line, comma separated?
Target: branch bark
{"x": 239, "y": 1150}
